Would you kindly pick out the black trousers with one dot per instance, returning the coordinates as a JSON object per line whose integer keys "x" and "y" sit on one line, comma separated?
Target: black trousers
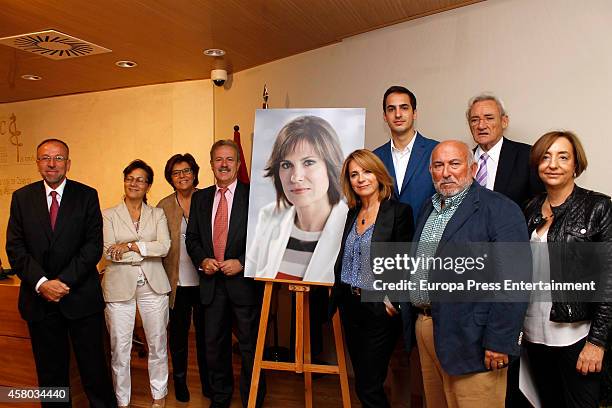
{"x": 514, "y": 396}
{"x": 558, "y": 383}
{"x": 219, "y": 315}
{"x": 371, "y": 335}
{"x": 51, "y": 338}
{"x": 186, "y": 304}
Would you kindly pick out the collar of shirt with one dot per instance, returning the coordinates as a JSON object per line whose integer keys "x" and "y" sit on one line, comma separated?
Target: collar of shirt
{"x": 59, "y": 189}
{"x": 449, "y": 202}
{"x": 407, "y": 149}
{"x": 493, "y": 152}
{"x": 231, "y": 188}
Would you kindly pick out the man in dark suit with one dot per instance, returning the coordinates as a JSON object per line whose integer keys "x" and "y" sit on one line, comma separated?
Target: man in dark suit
{"x": 464, "y": 346}
{"x": 216, "y": 242}
{"x": 503, "y": 164}
{"x": 406, "y": 155}
{"x": 54, "y": 242}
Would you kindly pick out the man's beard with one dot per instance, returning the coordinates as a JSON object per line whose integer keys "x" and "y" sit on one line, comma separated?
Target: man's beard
{"x": 462, "y": 184}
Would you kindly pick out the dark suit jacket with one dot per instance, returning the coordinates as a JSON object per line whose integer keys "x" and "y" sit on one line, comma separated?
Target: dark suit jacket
{"x": 393, "y": 224}
{"x": 241, "y": 290}
{"x": 417, "y": 185}
{"x": 515, "y": 178}
{"x": 69, "y": 253}
{"x": 462, "y": 331}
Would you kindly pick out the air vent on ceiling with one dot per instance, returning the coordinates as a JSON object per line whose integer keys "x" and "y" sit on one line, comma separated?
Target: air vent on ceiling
{"x": 53, "y": 44}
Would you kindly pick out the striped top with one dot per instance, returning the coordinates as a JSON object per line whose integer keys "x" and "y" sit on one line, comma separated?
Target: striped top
{"x": 298, "y": 253}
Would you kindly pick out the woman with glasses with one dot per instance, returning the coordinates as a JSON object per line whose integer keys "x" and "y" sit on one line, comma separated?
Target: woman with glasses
{"x": 181, "y": 172}
{"x": 135, "y": 240}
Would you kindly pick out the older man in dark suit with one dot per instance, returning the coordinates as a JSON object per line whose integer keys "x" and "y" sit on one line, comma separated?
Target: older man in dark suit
{"x": 216, "y": 242}
{"x": 503, "y": 164}
{"x": 464, "y": 345}
{"x": 54, "y": 242}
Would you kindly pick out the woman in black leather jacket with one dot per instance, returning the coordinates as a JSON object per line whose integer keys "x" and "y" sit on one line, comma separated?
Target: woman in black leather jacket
{"x": 565, "y": 338}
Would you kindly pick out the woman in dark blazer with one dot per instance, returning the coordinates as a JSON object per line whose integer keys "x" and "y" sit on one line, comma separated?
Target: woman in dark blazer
{"x": 371, "y": 327}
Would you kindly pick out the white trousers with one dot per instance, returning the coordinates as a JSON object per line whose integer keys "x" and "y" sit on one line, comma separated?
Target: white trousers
{"x": 120, "y": 317}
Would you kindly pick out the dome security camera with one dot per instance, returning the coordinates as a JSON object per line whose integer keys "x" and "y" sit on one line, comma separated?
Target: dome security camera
{"x": 218, "y": 76}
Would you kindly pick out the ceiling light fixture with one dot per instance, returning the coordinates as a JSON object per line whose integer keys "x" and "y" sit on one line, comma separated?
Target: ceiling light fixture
{"x": 214, "y": 52}
{"x": 126, "y": 64}
{"x": 31, "y": 77}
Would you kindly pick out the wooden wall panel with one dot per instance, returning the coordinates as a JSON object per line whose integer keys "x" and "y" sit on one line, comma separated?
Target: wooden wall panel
{"x": 12, "y": 323}
{"x": 166, "y": 37}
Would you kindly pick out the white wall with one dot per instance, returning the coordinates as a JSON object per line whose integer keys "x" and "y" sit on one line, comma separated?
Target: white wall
{"x": 549, "y": 60}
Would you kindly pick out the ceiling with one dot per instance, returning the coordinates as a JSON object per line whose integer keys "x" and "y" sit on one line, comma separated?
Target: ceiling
{"x": 167, "y": 37}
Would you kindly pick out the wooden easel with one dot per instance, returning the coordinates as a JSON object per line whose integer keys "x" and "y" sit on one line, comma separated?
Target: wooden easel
{"x": 302, "y": 362}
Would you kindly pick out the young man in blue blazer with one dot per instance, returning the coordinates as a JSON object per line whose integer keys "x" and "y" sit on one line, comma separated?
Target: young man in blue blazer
{"x": 406, "y": 154}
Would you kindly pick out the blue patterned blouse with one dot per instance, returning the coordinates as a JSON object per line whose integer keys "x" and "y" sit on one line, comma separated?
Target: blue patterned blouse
{"x": 356, "y": 269}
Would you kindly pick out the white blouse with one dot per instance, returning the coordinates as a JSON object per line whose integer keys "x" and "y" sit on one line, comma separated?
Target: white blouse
{"x": 537, "y": 326}
{"x": 188, "y": 275}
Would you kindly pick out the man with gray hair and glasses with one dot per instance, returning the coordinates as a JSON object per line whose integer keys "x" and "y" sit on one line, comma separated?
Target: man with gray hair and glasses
{"x": 503, "y": 164}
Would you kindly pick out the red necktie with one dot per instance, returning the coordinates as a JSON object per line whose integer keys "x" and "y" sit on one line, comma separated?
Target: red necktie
{"x": 54, "y": 209}
{"x": 220, "y": 227}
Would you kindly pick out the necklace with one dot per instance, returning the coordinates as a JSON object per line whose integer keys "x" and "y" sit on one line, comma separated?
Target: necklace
{"x": 180, "y": 205}
{"x": 552, "y": 214}
{"x": 365, "y": 214}
{"x": 363, "y": 217}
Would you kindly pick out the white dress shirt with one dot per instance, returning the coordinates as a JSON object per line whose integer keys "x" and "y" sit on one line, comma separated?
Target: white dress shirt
{"x": 400, "y": 161}
{"x": 60, "y": 192}
{"x": 492, "y": 161}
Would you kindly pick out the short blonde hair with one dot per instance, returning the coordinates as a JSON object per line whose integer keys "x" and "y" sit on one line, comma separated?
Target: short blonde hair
{"x": 540, "y": 148}
{"x": 368, "y": 161}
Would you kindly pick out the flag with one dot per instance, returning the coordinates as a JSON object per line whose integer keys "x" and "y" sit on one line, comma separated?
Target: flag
{"x": 265, "y": 97}
{"x": 243, "y": 174}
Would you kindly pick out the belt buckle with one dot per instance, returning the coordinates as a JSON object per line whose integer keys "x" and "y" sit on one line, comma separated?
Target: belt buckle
{"x": 356, "y": 291}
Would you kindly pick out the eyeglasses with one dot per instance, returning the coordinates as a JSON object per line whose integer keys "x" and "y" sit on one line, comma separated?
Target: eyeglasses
{"x": 47, "y": 159}
{"x": 137, "y": 180}
{"x": 184, "y": 172}
{"x": 475, "y": 121}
